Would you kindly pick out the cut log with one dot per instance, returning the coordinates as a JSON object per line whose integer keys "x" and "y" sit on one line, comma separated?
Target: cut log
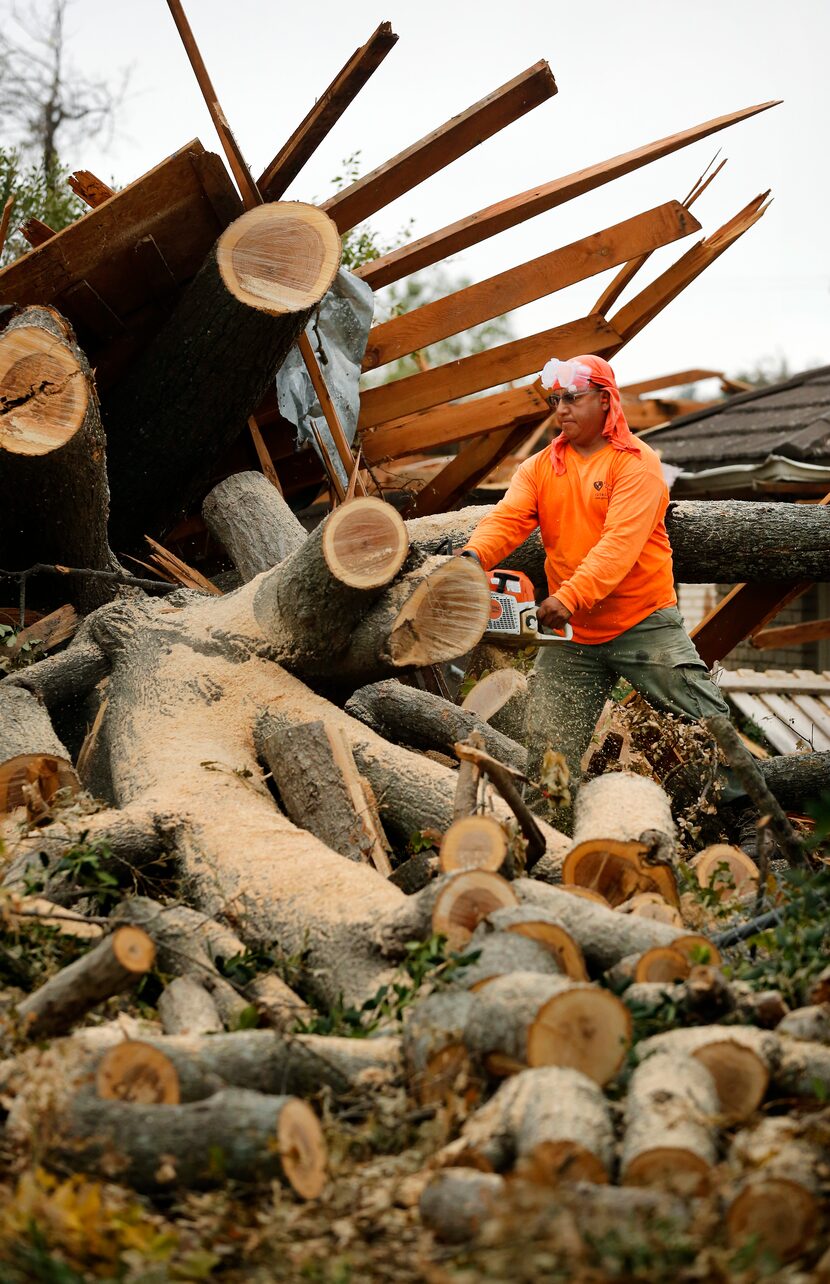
{"x": 662, "y": 963}
{"x": 493, "y": 692}
{"x": 777, "y": 1203}
{"x": 117, "y": 963}
{"x": 458, "y": 1202}
{"x": 699, "y": 950}
{"x": 52, "y": 456}
{"x": 320, "y": 788}
{"x": 726, "y": 869}
{"x": 414, "y": 874}
{"x": 670, "y": 1134}
{"x": 530, "y": 1020}
{"x": 803, "y": 1070}
{"x": 258, "y": 285}
{"x": 252, "y": 522}
{"x": 505, "y": 781}
{"x": 426, "y": 721}
{"x": 526, "y": 921}
{"x": 433, "y": 1043}
{"x": 34, "y": 765}
{"x": 549, "y": 1125}
{"x": 713, "y": 541}
{"x": 185, "y": 1007}
{"x": 652, "y": 905}
{"x": 624, "y": 838}
{"x": 236, "y": 1134}
{"x": 500, "y": 953}
{"x": 738, "y": 1058}
{"x": 463, "y": 900}
{"x": 811, "y": 1023}
{"x": 137, "y": 1072}
{"x": 473, "y": 842}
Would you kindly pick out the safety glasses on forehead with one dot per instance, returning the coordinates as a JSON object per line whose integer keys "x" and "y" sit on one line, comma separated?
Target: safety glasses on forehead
{"x": 553, "y": 398}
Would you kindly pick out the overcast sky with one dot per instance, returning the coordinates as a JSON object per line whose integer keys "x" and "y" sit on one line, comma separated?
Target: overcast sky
{"x": 627, "y": 73}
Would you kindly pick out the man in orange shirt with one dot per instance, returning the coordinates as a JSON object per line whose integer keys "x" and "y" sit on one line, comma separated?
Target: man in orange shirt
{"x": 599, "y": 498}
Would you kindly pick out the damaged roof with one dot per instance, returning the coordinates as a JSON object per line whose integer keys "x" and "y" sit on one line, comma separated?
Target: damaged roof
{"x": 771, "y": 439}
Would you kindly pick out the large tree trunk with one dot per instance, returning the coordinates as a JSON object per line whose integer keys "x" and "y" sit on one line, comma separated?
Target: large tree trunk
{"x": 714, "y": 541}
{"x": 250, "y": 518}
{"x": 53, "y": 475}
{"x": 190, "y": 394}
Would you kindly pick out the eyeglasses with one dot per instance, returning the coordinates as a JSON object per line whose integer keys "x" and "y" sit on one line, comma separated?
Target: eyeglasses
{"x": 554, "y": 398}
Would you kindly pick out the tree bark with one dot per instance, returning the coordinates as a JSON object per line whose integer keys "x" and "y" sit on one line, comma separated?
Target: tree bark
{"x": 713, "y": 541}
{"x": 185, "y": 1007}
{"x": 739, "y": 1059}
{"x": 500, "y": 953}
{"x": 811, "y": 1023}
{"x": 539, "y": 927}
{"x": 53, "y": 471}
{"x": 426, "y": 721}
{"x": 777, "y": 1200}
{"x": 190, "y": 394}
{"x": 796, "y": 778}
{"x": 248, "y": 516}
{"x": 34, "y": 764}
{"x": 670, "y": 1132}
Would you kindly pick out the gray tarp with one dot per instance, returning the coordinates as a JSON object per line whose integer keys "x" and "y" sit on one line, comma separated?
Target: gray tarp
{"x": 337, "y": 333}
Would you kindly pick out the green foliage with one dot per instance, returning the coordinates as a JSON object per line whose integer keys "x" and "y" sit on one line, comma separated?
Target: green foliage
{"x": 791, "y": 955}
{"x": 711, "y": 897}
{"x": 31, "y": 951}
{"x": 25, "y": 655}
{"x": 86, "y": 864}
{"x": 242, "y": 968}
{"x": 427, "y": 963}
{"x": 37, "y": 193}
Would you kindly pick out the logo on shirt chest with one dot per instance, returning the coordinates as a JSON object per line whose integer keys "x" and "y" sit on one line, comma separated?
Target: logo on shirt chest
{"x": 598, "y": 485}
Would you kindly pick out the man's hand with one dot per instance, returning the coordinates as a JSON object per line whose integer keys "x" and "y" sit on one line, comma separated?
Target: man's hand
{"x": 552, "y": 613}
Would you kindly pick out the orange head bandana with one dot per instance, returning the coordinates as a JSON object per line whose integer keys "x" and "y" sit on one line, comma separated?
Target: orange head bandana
{"x": 576, "y": 374}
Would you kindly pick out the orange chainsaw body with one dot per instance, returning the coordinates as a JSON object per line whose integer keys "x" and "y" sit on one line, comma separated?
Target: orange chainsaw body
{"x": 513, "y": 620}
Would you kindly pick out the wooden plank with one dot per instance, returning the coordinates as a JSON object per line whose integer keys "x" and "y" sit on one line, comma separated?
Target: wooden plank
{"x": 239, "y": 167}
{"x": 516, "y": 209}
{"x": 434, "y": 152}
{"x": 646, "y": 305}
{"x": 36, "y": 232}
{"x": 677, "y": 380}
{"x": 532, "y": 280}
{"x": 48, "y": 632}
{"x": 159, "y": 281}
{"x": 819, "y": 711}
{"x": 325, "y": 113}
{"x": 791, "y": 635}
{"x": 168, "y": 203}
{"x": 90, "y": 189}
{"x": 483, "y": 370}
{"x": 781, "y": 737}
{"x": 799, "y": 720}
{"x": 447, "y": 424}
{"x": 798, "y": 681}
{"x": 266, "y": 463}
{"x": 743, "y": 612}
{"x": 470, "y": 466}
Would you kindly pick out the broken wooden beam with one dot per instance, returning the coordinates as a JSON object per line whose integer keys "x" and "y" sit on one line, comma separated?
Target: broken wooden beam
{"x": 91, "y": 190}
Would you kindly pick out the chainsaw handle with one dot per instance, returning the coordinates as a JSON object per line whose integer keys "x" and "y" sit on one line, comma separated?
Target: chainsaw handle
{"x": 547, "y": 636}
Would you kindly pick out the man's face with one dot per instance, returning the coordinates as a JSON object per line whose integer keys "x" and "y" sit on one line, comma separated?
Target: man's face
{"x": 581, "y": 416}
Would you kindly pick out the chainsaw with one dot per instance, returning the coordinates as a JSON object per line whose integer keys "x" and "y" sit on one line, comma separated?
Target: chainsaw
{"x": 513, "y": 621}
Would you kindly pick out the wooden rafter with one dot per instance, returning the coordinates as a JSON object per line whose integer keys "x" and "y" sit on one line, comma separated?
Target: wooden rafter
{"x": 532, "y": 280}
{"x": 678, "y": 379}
{"x": 791, "y": 635}
{"x": 37, "y": 232}
{"x": 92, "y": 191}
{"x": 383, "y": 185}
{"x": 325, "y": 113}
{"x": 483, "y": 370}
{"x": 470, "y": 466}
{"x": 517, "y": 209}
{"x": 338, "y": 436}
{"x": 444, "y": 425}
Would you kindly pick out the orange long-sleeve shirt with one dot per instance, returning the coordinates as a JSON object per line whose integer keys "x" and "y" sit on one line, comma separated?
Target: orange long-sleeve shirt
{"x": 608, "y": 556}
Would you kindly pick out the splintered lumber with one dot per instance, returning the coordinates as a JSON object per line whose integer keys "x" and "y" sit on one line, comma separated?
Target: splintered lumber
{"x": 482, "y": 370}
{"x": 713, "y": 541}
{"x": 604, "y": 935}
{"x": 726, "y": 869}
{"x": 432, "y": 614}
{"x": 463, "y": 900}
{"x": 433, "y": 1043}
{"x": 473, "y": 842}
{"x": 236, "y": 1134}
{"x": 321, "y": 790}
{"x": 432, "y": 153}
{"x": 458, "y": 1202}
{"x": 477, "y": 227}
{"x": 624, "y": 838}
{"x": 500, "y": 953}
{"x": 252, "y": 522}
{"x": 34, "y": 764}
{"x": 52, "y": 454}
{"x": 314, "y": 598}
{"x": 526, "y": 1019}
{"x": 525, "y": 283}
{"x": 525, "y": 921}
{"x": 670, "y": 1125}
{"x": 739, "y": 1058}
{"x": 258, "y": 284}
{"x": 547, "y": 1125}
{"x": 812, "y": 1023}
{"x": 427, "y": 721}
{"x": 185, "y": 1007}
{"x": 90, "y": 189}
{"x": 261, "y": 1060}
{"x": 117, "y": 963}
{"x": 325, "y": 113}
{"x": 453, "y": 422}
{"x": 777, "y": 1201}
{"x": 504, "y": 779}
